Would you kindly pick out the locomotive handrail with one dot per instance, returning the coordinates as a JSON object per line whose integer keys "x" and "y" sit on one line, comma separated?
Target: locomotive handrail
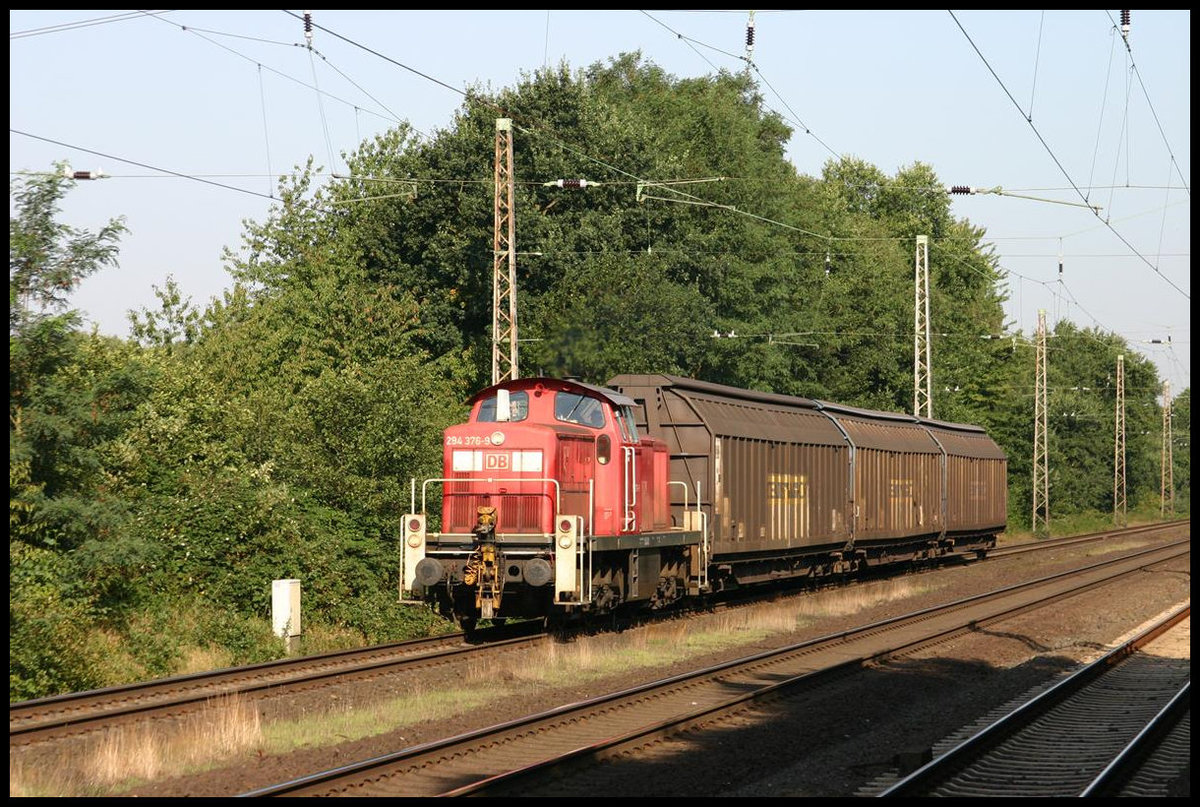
{"x": 492, "y": 480}
{"x": 685, "y": 491}
{"x": 630, "y": 455}
{"x": 589, "y": 535}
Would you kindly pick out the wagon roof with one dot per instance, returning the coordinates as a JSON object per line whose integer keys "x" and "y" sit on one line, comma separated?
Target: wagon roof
{"x": 679, "y": 382}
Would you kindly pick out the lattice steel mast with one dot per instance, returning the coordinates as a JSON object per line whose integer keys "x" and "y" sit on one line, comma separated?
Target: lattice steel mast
{"x": 504, "y": 261}
{"x": 1168, "y": 465}
{"x": 1041, "y": 470}
{"x": 1119, "y": 448}
{"x": 922, "y": 373}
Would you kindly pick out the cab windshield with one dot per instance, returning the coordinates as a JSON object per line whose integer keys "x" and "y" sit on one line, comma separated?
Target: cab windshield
{"x": 518, "y": 407}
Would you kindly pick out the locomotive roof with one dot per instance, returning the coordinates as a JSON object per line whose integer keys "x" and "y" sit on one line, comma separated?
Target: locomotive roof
{"x": 603, "y": 393}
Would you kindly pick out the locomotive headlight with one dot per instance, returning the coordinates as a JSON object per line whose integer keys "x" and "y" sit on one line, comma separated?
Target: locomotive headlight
{"x": 497, "y": 438}
{"x": 564, "y": 541}
{"x": 416, "y": 532}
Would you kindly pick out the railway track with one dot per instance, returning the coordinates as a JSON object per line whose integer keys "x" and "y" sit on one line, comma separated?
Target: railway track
{"x": 1074, "y": 540}
{"x": 1114, "y": 727}
{"x": 521, "y": 756}
{"x": 81, "y": 712}
{"x": 57, "y": 717}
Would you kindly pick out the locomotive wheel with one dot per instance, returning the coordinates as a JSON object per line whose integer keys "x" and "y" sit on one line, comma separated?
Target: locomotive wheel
{"x": 467, "y": 624}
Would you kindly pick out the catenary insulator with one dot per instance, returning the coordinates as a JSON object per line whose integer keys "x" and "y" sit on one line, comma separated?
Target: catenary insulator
{"x": 961, "y": 189}
{"x": 750, "y": 35}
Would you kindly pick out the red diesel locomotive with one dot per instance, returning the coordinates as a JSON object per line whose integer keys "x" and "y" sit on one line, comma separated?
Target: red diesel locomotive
{"x": 552, "y": 502}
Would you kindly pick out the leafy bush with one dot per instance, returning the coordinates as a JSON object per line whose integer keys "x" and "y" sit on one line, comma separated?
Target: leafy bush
{"x": 48, "y": 633}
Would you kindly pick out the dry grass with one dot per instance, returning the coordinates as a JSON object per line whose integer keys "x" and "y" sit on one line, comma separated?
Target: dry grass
{"x": 229, "y": 729}
{"x": 349, "y": 721}
{"x": 115, "y": 760}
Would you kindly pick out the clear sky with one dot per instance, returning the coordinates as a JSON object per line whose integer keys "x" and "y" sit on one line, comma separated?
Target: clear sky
{"x": 190, "y": 113}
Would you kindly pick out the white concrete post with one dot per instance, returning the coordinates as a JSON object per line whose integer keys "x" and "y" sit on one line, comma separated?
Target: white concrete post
{"x": 285, "y": 609}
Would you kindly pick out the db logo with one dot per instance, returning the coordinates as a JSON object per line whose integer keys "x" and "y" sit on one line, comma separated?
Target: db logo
{"x": 495, "y": 462}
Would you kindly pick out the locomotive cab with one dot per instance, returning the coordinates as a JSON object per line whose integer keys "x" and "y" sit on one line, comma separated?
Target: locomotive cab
{"x": 547, "y": 488}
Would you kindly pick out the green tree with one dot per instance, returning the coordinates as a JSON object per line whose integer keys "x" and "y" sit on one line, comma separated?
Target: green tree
{"x": 1181, "y": 433}
{"x": 175, "y": 322}
{"x": 46, "y": 258}
{"x": 435, "y": 237}
{"x": 61, "y": 383}
{"x": 70, "y": 395}
{"x": 585, "y": 323}
{"x": 282, "y": 442}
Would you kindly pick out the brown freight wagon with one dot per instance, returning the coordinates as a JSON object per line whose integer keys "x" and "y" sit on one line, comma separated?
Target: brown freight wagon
{"x": 799, "y": 487}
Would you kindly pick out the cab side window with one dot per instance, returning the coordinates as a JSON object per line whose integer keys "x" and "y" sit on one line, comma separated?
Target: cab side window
{"x": 628, "y": 429}
{"x": 633, "y": 430}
